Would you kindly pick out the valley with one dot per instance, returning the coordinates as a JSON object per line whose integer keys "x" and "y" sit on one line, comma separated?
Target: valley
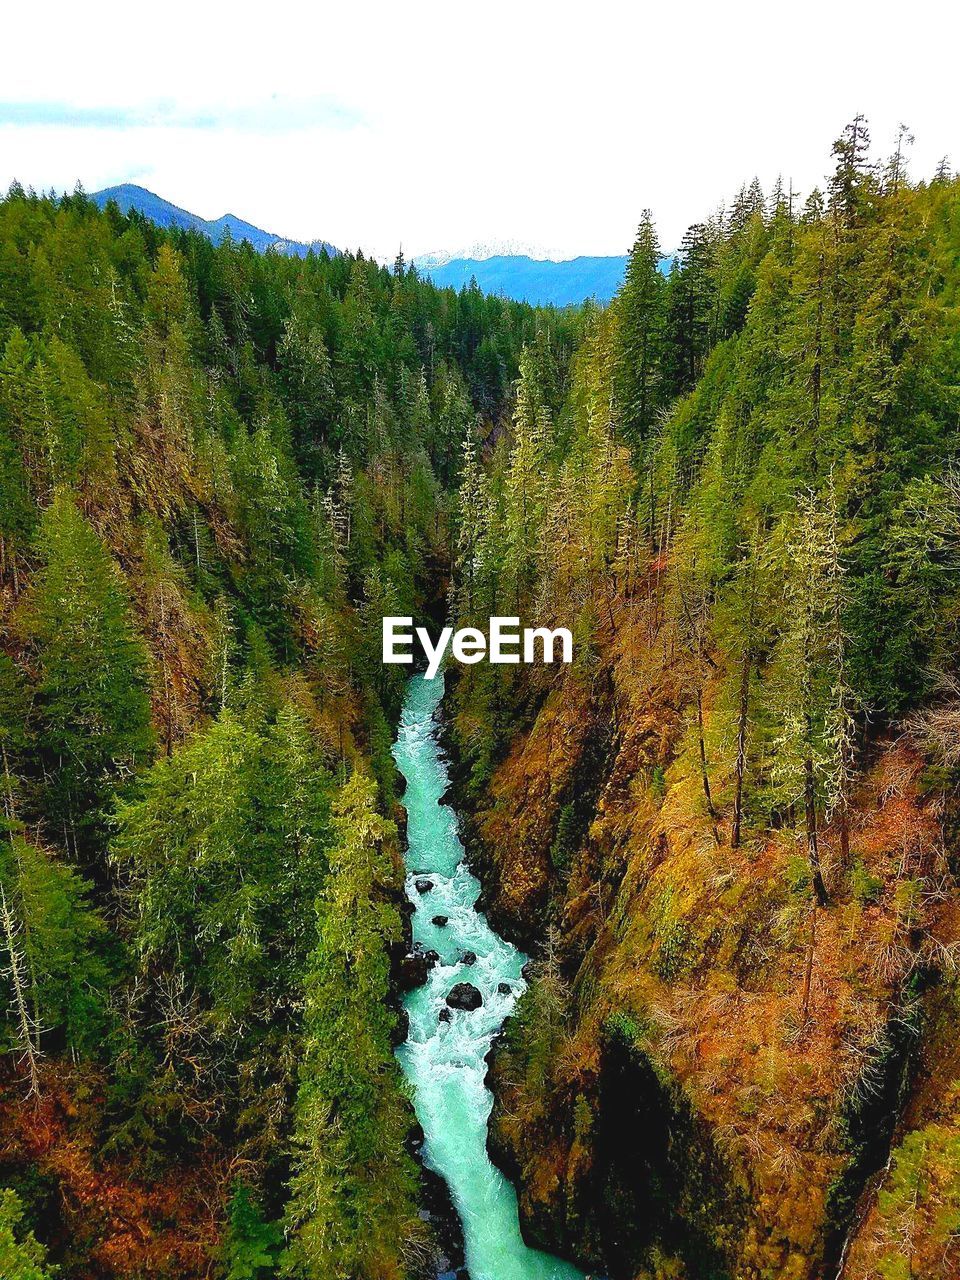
{"x": 642, "y": 962}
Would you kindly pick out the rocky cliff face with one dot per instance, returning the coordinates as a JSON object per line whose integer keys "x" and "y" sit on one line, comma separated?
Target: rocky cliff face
{"x": 709, "y": 1074}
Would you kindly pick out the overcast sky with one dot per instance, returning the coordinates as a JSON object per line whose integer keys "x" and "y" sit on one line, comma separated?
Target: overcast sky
{"x": 440, "y": 124}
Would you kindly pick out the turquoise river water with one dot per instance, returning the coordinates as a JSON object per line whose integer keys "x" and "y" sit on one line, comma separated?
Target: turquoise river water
{"x": 444, "y": 1061}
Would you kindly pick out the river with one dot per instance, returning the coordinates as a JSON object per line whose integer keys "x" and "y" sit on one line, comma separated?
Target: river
{"x": 444, "y": 1061}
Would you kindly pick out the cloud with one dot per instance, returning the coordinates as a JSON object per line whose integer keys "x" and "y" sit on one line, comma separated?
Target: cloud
{"x": 276, "y": 114}
{"x": 439, "y": 124}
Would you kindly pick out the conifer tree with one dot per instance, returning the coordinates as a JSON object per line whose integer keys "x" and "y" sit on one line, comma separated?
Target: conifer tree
{"x": 352, "y": 1209}
{"x": 526, "y": 478}
{"x": 22, "y": 1257}
{"x": 471, "y": 522}
{"x": 93, "y": 702}
{"x": 641, "y": 317}
{"x": 813, "y": 747}
{"x": 851, "y": 183}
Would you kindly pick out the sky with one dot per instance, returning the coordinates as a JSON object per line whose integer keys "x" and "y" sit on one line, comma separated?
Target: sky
{"x": 438, "y": 125}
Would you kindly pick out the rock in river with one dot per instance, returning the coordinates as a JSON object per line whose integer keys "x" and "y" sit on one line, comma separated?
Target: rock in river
{"x": 464, "y": 995}
{"x": 440, "y": 921}
{"x": 469, "y": 957}
{"x": 413, "y": 970}
{"x": 504, "y": 988}
{"x": 414, "y": 966}
{"x": 423, "y": 886}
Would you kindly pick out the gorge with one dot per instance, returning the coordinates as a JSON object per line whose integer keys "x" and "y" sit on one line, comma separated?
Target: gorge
{"x": 445, "y": 1060}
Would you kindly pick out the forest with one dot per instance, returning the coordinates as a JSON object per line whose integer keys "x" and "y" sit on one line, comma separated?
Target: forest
{"x": 726, "y": 832}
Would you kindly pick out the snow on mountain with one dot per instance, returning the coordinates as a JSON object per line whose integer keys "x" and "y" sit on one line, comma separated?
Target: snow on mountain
{"x": 483, "y": 250}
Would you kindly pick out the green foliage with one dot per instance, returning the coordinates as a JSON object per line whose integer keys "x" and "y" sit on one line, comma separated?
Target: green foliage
{"x": 352, "y": 1209}
{"x": 225, "y": 851}
{"x": 788, "y": 393}
{"x": 921, "y": 1193}
{"x": 641, "y": 315}
{"x": 565, "y": 840}
{"x": 252, "y": 1245}
{"x": 93, "y": 708}
{"x": 66, "y": 945}
{"x": 22, "y": 1257}
{"x": 218, "y": 469}
{"x": 675, "y": 955}
{"x": 625, "y": 1029}
{"x": 864, "y": 887}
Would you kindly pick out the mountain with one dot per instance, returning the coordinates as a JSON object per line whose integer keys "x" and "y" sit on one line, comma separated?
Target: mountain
{"x": 514, "y": 270}
{"x": 484, "y": 249}
{"x": 528, "y": 279}
{"x": 129, "y": 196}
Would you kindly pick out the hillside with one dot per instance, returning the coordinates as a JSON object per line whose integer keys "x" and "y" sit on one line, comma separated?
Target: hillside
{"x": 728, "y": 830}
{"x": 218, "y": 469}
{"x": 128, "y": 196}
{"x": 725, "y": 833}
{"x": 519, "y": 277}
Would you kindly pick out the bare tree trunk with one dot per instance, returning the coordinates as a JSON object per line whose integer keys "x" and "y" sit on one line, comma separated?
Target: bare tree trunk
{"x": 741, "y": 747}
{"x": 808, "y": 968}
{"x": 743, "y": 710}
{"x": 25, "y": 1026}
{"x": 9, "y": 809}
{"x": 703, "y": 754}
{"x": 167, "y": 693}
{"x": 813, "y": 847}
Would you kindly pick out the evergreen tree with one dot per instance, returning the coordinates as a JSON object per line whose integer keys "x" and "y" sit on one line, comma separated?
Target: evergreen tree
{"x": 351, "y": 1214}
{"x": 22, "y": 1257}
{"x": 641, "y": 316}
{"x": 92, "y": 695}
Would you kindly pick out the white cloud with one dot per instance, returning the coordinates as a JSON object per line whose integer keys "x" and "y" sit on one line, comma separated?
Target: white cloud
{"x": 436, "y": 124}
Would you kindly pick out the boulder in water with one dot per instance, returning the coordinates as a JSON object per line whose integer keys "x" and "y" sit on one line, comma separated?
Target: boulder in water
{"x": 504, "y": 988}
{"x": 440, "y": 921}
{"x": 469, "y": 957}
{"x": 412, "y": 970}
{"x": 423, "y": 885}
{"x": 444, "y": 1015}
{"x": 401, "y": 1029}
{"x": 464, "y": 995}
{"x": 432, "y": 958}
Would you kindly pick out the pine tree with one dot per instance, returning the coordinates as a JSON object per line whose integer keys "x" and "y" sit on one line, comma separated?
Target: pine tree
{"x": 691, "y": 310}
{"x": 352, "y": 1208}
{"x": 93, "y": 699}
{"x": 471, "y": 523}
{"x": 22, "y": 1257}
{"x": 641, "y": 313}
{"x": 526, "y": 479}
{"x": 813, "y": 747}
{"x": 852, "y": 182}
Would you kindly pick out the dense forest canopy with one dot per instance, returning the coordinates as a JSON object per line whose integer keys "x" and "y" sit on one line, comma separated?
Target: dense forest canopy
{"x": 219, "y": 469}
{"x": 778, "y": 419}
{"x": 735, "y": 826}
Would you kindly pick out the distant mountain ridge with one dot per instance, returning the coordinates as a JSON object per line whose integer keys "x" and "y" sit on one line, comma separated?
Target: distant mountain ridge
{"x": 129, "y": 196}
{"x": 510, "y": 269}
{"x": 535, "y": 280}
{"x": 481, "y": 250}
